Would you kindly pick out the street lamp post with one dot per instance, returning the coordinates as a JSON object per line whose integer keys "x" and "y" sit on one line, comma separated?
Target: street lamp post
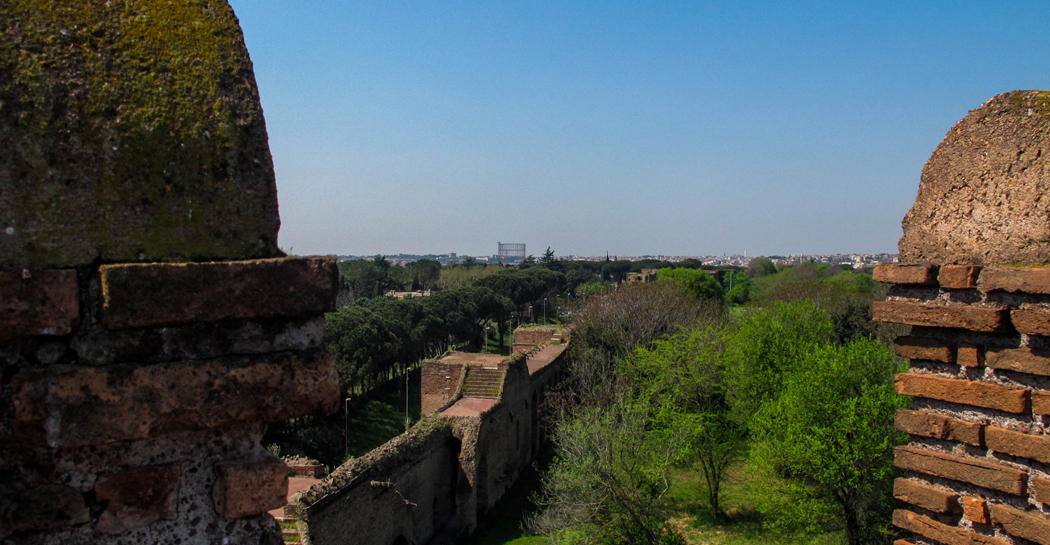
{"x": 346, "y": 428}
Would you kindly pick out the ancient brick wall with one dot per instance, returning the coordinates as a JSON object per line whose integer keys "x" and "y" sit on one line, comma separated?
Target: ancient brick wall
{"x": 149, "y": 326}
{"x": 439, "y": 382}
{"x": 974, "y": 284}
{"x": 525, "y": 338}
{"x": 413, "y": 487}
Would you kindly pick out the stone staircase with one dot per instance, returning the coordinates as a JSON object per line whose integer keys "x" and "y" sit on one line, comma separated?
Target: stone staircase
{"x": 483, "y": 382}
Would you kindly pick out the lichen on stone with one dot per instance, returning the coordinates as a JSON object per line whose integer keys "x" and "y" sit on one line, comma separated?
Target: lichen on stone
{"x": 130, "y": 131}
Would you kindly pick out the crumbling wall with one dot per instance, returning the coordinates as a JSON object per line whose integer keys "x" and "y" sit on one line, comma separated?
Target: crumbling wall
{"x": 415, "y": 486}
{"x": 525, "y": 338}
{"x": 149, "y": 326}
{"x": 974, "y": 284}
{"x": 439, "y": 382}
{"x": 503, "y": 437}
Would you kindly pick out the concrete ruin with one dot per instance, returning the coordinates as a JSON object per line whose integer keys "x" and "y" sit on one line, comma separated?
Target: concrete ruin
{"x": 974, "y": 283}
{"x": 486, "y": 419}
{"x": 149, "y": 325}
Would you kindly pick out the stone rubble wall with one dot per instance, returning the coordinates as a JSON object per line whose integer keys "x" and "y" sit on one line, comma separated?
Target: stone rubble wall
{"x": 974, "y": 285}
{"x": 150, "y": 327}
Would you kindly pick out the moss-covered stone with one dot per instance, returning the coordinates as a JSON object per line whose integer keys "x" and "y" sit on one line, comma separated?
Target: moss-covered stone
{"x": 130, "y": 130}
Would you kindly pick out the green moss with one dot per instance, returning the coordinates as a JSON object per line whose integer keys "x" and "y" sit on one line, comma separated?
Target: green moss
{"x": 129, "y": 111}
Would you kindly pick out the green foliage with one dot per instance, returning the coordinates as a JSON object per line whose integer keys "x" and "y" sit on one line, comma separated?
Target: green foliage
{"x": 759, "y": 267}
{"x": 766, "y": 345}
{"x": 681, "y": 380}
{"x": 607, "y": 483}
{"x": 829, "y": 435}
{"x": 697, "y": 282}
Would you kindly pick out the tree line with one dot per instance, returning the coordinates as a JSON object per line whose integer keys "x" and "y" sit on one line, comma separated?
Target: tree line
{"x": 795, "y": 389}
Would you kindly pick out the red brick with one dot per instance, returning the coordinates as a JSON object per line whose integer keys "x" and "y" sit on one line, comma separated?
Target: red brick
{"x": 958, "y": 276}
{"x": 156, "y": 294}
{"x": 927, "y": 424}
{"x": 978, "y": 394}
{"x": 1031, "y": 322}
{"x": 923, "y": 423}
{"x": 1032, "y": 526}
{"x": 926, "y": 497}
{"x": 976, "y": 510}
{"x": 76, "y": 406}
{"x": 137, "y": 498}
{"x": 1022, "y": 445}
{"x": 968, "y": 432}
{"x": 248, "y": 488}
{"x": 1040, "y": 402}
{"x": 1041, "y": 487}
{"x": 897, "y": 273}
{"x": 955, "y": 316}
{"x": 38, "y": 303}
{"x": 983, "y": 473}
{"x": 924, "y": 348}
{"x": 1023, "y": 360}
{"x": 969, "y": 355}
{"x": 1016, "y": 279}
{"x": 937, "y": 531}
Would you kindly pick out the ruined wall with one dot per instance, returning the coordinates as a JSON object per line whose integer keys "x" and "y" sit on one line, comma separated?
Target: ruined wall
{"x": 526, "y": 338}
{"x": 413, "y": 487}
{"x": 974, "y": 284}
{"x": 149, "y": 326}
{"x": 439, "y": 382}
{"x": 404, "y": 489}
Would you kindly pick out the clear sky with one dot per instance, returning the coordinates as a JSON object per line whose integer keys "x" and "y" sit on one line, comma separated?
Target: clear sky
{"x": 629, "y": 127}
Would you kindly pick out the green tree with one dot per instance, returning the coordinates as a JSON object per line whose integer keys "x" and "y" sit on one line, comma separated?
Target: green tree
{"x": 830, "y": 433}
{"x": 767, "y": 344}
{"x": 424, "y": 273}
{"x": 697, "y": 282}
{"x": 759, "y": 267}
{"x": 681, "y": 379}
{"x": 607, "y": 483}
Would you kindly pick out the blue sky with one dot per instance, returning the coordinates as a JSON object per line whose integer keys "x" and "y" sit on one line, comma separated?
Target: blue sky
{"x": 629, "y": 127}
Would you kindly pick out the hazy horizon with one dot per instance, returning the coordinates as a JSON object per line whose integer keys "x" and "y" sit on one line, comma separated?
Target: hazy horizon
{"x": 686, "y": 128}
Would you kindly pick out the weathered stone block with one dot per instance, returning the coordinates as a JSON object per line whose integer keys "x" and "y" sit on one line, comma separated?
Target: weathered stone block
{"x": 1023, "y": 360}
{"x": 155, "y": 294}
{"x": 899, "y": 273}
{"x": 981, "y": 194}
{"x": 955, "y": 316}
{"x": 1015, "y": 279}
{"x": 968, "y": 470}
{"x": 40, "y": 507}
{"x": 37, "y": 303}
{"x": 924, "y": 348}
{"x": 1023, "y": 445}
{"x": 976, "y": 510}
{"x": 137, "y": 498}
{"x": 958, "y": 276}
{"x": 152, "y": 147}
{"x": 248, "y": 488}
{"x": 72, "y": 406}
{"x": 1032, "y": 526}
{"x": 941, "y": 532}
{"x": 1031, "y": 322}
{"x": 926, "y": 497}
{"x": 979, "y": 394}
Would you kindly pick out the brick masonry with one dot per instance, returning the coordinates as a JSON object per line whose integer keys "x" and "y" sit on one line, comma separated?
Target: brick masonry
{"x": 978, "y": 465}
{"x": 150, "y": 327}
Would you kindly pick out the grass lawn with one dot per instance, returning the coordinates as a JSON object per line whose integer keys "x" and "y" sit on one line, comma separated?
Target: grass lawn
{"x": 744, "y": 524}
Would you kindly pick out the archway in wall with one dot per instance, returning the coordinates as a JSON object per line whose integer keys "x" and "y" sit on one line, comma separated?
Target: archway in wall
{"x": 445, "y": 508}
{"x": 401, "y": 540}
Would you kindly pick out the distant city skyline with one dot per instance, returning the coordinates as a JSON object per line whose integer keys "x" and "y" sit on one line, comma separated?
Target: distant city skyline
{"x": 679, "y": 128}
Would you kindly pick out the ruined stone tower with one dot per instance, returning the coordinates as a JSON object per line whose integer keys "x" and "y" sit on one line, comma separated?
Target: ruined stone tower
{"x": 974, "y": 283}
{"x": 149, "y": 325}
